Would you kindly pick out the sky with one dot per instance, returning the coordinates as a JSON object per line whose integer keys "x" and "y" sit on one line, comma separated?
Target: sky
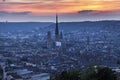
{"x": 68, "y": 10}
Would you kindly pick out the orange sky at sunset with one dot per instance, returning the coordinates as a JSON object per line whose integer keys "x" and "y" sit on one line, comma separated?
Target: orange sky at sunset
{"x": 70, "y": 10}
{"x": 53, "y": 6}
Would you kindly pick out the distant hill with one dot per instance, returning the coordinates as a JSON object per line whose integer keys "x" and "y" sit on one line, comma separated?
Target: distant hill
{"x": 89, "y": 26}
{"x": 22, "y": 26}
{"x": 64, "y": 26}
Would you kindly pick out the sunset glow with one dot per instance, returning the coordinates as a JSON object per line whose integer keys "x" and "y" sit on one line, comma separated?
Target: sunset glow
{"x": 47, "y": 7}
{"x": 50, "y": 7}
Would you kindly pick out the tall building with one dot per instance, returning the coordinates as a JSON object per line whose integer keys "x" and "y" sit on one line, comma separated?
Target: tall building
{"x": 88, "y": 43}
{"x": 61, "y": 35}
{"x": 88, "y": 40}
{"x": 49, "y": 40}
{"x": 57, "y": 29}
{"x": 57, "y": 42}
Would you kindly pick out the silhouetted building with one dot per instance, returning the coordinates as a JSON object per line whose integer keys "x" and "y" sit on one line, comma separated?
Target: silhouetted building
{"x": 58, "y": 36}
{"x": 61, "y": 36}
{"x": 49, "y": 40}
{"x": 57, "y": 29}
{"x": 88, "y": 43}
{"x": 88, "y": 40}
{"x": 57, "y": 42}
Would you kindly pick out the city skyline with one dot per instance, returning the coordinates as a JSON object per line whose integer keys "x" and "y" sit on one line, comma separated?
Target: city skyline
{"x": 68, "y": 10}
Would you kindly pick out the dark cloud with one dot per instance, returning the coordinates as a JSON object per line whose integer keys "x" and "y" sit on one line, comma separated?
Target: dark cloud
{"x": 97, "y": 12}
{"x": 86, "y": 11}
{"x": 4, "y": 0}
{"x": 94, "y": 12}
{"x": 14, "y": 13}
{"x": 84, "y": 15}
{"x": 92, "y": 15}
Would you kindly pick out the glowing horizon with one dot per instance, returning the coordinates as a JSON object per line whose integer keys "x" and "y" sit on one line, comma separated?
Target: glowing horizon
{"x": 50, "y": 7}
{"x": 62, "y": 6}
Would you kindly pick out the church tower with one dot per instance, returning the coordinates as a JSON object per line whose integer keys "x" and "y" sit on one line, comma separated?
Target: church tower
{"x": 88, "y": 43}
{"x": 57, "y": 29}
{"x": 61, "y": 35}
{"x": 49, "y": 40}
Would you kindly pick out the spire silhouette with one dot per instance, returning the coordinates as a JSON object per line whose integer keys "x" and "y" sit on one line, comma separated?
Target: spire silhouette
{"x": 61, "y": 35}
{"x": 57, "y": 29}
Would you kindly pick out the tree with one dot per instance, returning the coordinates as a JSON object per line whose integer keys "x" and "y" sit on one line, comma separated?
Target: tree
{"x": 68, "y": 75}
{"x": 74, "y": 75}
{"x": 91, "y": 73}
{"x": 106, "y": 74}
{"x": 118, "y": 62}
{"x": 1, "y": 72}
{"x": 64, "y": 75}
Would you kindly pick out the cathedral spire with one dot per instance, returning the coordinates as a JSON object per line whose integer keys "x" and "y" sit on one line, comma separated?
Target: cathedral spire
{"x": 57, "y": 28}
{"x": 61, "y": 35}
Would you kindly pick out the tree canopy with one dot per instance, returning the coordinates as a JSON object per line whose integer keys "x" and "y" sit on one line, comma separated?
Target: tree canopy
{"x": 91, "y": 73}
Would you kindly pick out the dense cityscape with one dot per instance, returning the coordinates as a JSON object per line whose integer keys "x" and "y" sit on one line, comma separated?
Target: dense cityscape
{"x": 39, "y": 55}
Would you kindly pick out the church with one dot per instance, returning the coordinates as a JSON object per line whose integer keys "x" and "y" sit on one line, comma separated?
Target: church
{"x": 57, "y": 42}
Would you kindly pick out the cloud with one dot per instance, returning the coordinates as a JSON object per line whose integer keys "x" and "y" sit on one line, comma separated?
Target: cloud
{"x": 14, "y": 13}
{"x": 34, "y": 0}
{"x": 42, "y": 8}
{"x": 70, "y": 9}
{"x": 86, "y": 11}
{"x": 54, "y": 0}
{"x": 98, "y": 12}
